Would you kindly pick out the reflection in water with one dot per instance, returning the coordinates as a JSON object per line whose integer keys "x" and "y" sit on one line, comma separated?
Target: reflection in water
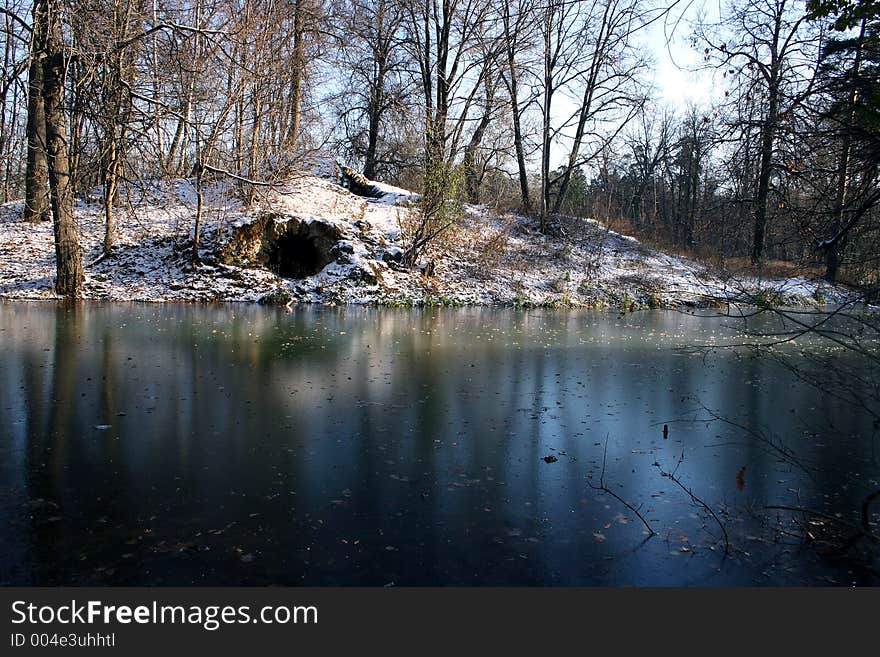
{"x": 236, "y": 444}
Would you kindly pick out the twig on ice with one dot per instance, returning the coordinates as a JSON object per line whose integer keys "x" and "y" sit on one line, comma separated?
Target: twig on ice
{"x": 617, "y": 497}
{"x": 671, "y": 476}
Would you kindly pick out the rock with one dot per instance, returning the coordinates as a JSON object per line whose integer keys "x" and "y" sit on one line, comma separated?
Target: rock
{"x": 364, "y": 273}
{"x": 392, "y": 254}
{"x": 342, "y": 252}
{"x": 279, "y": 297}
{"x": 289, "y": 245}
{"x": 357, "y": 183}
{"x": 343, "y": 247}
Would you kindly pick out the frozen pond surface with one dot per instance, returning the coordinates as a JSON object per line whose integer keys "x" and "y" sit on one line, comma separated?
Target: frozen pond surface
{"x": 236, "y": 444}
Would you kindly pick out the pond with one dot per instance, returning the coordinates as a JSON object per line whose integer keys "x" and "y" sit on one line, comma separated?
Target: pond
{"x": 238, "y": 444}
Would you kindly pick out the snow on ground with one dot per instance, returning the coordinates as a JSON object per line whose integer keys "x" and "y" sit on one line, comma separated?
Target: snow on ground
{"x": 392, "y": 194}
{"x": 487, "y": 258}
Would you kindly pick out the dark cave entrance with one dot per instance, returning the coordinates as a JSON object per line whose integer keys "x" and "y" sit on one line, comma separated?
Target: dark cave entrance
{"x": 299, "y": 249}
{"x": 286, "y": 245}
{"x": 297, "y": 256}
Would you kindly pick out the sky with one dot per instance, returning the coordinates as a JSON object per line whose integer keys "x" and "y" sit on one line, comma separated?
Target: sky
{"x": 675, "y": 72}
{"x": 676, "y": 77}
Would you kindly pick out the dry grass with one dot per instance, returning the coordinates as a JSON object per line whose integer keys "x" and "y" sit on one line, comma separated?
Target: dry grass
{"x": 862, "y": 275}
{"x": 493, "y": 247}
{"x": 718, "y": 264}
{"x": 770, "y": 268}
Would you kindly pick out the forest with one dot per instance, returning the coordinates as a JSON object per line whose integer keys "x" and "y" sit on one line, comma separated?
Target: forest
{"x": 545, "y": 108}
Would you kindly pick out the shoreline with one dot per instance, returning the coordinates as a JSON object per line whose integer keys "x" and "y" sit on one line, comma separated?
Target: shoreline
{"x": 349, "y": 250}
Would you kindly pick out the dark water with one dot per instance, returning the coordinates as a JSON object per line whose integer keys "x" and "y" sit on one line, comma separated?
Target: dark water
{"x": 179, "y": 444}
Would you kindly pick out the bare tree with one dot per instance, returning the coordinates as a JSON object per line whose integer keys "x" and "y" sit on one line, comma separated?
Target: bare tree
{"x": 607, "y": 74}
{"x": 474, "y": 169}
{"x": 847, "y": 120}
{"x": 370, "y": 43}
{"x": 50, "y": 47}
{"x": 36, "y": 202}
{"x": 770, "y": 48}
{"x": 516, "y": 21}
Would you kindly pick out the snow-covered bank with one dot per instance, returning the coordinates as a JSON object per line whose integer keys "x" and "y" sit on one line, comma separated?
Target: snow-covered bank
{"x": 310, "y": 240}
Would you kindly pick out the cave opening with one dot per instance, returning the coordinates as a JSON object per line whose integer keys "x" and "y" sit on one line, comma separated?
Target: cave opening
{"x": 296, "y": 256}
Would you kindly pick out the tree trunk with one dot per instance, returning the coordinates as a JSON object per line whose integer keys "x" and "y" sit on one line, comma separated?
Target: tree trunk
{"x": 472, "y": 172}
{"x": 157, "y": 110}
{"x": 298, "y": 72}
{"x": 254, "y": 153}
{"x": 768, "y": 134}
{"x": 69, "y": 262}
{"x": 520, "y": 154}
{"x": 510, "y": 34}
{"x": 111, "y": 188}
{"x": 585, "y": 111}
{"x": 116, "y": 109}
{"x": 200, "y": 204}
{"x": 545, "y": 124}
{"x": 36, "y": 199}
{"x": 832, "y": 254}
{"x": 4, "y": 139}
{"x": 767, "y": 141}
{"x": 375, "y": 114}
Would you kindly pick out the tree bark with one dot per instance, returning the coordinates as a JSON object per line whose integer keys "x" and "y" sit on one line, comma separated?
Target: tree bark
{"x": 520, "y": 151}
{"x": 510, "y": 35}
{"x": 375, "y": 115}
{"x": 298, "y": 74}
{"x": 114, "y": 119}
{"x": 4, "y": 137}
{"x": 254, "y": 151}
{"x": 472, "y": 171}
{"x": 832, "y": 254}
{"x": 545, "y": 123}
{"x": 768, "y": 139}
{"x": 767, "y": 142}
{"x": 200, "y": 203}
{"x": 69, "y": 279}
{"x": 36, "y": 199}
{"x": 111, "y": 175}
